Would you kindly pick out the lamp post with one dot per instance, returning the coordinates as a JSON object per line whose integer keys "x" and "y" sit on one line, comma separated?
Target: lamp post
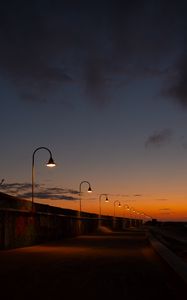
{"x": 126, "y": 207}
{"x": 89, "y": 191}
{"x": 119, "y": 205}
{"x": 50, "y": 164}
{"x": 131, "y": 217}
{"x": 143, "y": 217}
{"x": 80, "y": 205}
{"x": 132, "y": 210}
{"x": 138, "y": 218}
{"x": 106, "y": 200}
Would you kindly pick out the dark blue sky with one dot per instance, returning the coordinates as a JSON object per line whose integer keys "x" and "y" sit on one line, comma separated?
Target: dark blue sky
{"x": 103, "y": 84}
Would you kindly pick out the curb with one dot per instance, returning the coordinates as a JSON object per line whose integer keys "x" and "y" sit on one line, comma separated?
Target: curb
{"x": 175, "y": 262}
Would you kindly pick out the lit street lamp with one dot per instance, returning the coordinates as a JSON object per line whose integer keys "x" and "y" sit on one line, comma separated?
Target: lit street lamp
{"x": 106, "y": 200}
{"x": 50, "y": 164}
{"x": 119, "y": 205}
{"x": 131, "y": 217}
{"x": 89, "y": 191}
{"x": 143, "y": 217}
{"x": 126, "y": 207}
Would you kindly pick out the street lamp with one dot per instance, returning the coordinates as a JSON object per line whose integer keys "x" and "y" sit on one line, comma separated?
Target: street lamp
{"x": 126, "y": 207}
{"x": 131, "y": 210}
{"x": 50, "y": 164}
{"x": 119, "y": 205}
{"x": 138, "y": 218}
{"x": 143, "y": 217}
{"x": 106, "y": 200}
{"x": 89, "y": 191}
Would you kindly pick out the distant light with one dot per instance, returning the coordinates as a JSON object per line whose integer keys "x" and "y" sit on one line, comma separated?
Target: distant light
{"x": 51, "y": 163}
{"x": 106, "y": 200}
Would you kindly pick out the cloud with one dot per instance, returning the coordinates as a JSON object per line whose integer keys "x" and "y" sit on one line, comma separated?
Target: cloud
{"x": 165, "y": 211}
{"x": 23, "y": 190}
{"x": 159, "y": 138}
{"x": 176, "y": 86}
{"x": 16, "y": 186}
{"x": 119, "y": 195}
{"x": 45, "y": 195}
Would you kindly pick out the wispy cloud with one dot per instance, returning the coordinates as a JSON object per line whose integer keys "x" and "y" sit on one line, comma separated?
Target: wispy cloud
{"x": 119, "y": 195}
{"x": 165, "y": 211}
{"x": 176, "y": 88}
{"x": 159, "y": 138}
{"x": 23, "y": 190}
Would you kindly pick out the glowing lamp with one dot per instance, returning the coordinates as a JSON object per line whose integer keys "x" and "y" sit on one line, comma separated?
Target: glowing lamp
{"x": 89, "y": 190}
{"x": 51, "y": 163}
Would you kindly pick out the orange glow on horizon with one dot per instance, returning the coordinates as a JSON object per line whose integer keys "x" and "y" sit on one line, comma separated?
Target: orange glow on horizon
{"x": 169, "y": 208}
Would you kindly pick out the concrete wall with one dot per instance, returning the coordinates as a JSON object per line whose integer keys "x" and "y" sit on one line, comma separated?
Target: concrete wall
{"x": 20, "y": 227}
{"x": 23, "y": 228}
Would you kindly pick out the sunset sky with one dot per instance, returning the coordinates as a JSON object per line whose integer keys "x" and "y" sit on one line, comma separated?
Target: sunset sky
{"x": 103, "y": 85}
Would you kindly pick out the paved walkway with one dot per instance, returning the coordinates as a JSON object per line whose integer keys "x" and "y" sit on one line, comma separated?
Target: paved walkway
{"x": 108, "y": 266}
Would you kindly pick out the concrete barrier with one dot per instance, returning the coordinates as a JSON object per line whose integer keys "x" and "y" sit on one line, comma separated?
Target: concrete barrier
{"x": 20, "y": 226}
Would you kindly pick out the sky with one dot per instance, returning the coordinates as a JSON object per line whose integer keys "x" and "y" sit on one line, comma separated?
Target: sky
{"x": 103, "y": 85}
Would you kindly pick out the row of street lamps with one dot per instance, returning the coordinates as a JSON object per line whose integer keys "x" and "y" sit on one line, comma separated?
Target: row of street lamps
{"x": 52, "y": 164}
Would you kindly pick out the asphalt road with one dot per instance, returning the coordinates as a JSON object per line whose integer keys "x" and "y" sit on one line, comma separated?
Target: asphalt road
{"x": 110, "y": 266}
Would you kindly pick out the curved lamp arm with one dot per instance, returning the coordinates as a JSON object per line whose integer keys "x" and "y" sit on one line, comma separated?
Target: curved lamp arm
{"x": 89, "y": 186}
{"x": 89, "y": 191}
{"x": 50, "y": 163}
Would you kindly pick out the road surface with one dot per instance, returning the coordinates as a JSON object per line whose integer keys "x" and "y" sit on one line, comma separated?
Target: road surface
{"x": 108, "y": 266}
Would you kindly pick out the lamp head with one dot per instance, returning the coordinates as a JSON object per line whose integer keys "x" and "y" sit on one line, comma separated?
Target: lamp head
{"x": 106, "y": 200}
{"x": 89, "y": 189}
{"x": 51, "y": 163}
{"x": 119, "y": 205}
